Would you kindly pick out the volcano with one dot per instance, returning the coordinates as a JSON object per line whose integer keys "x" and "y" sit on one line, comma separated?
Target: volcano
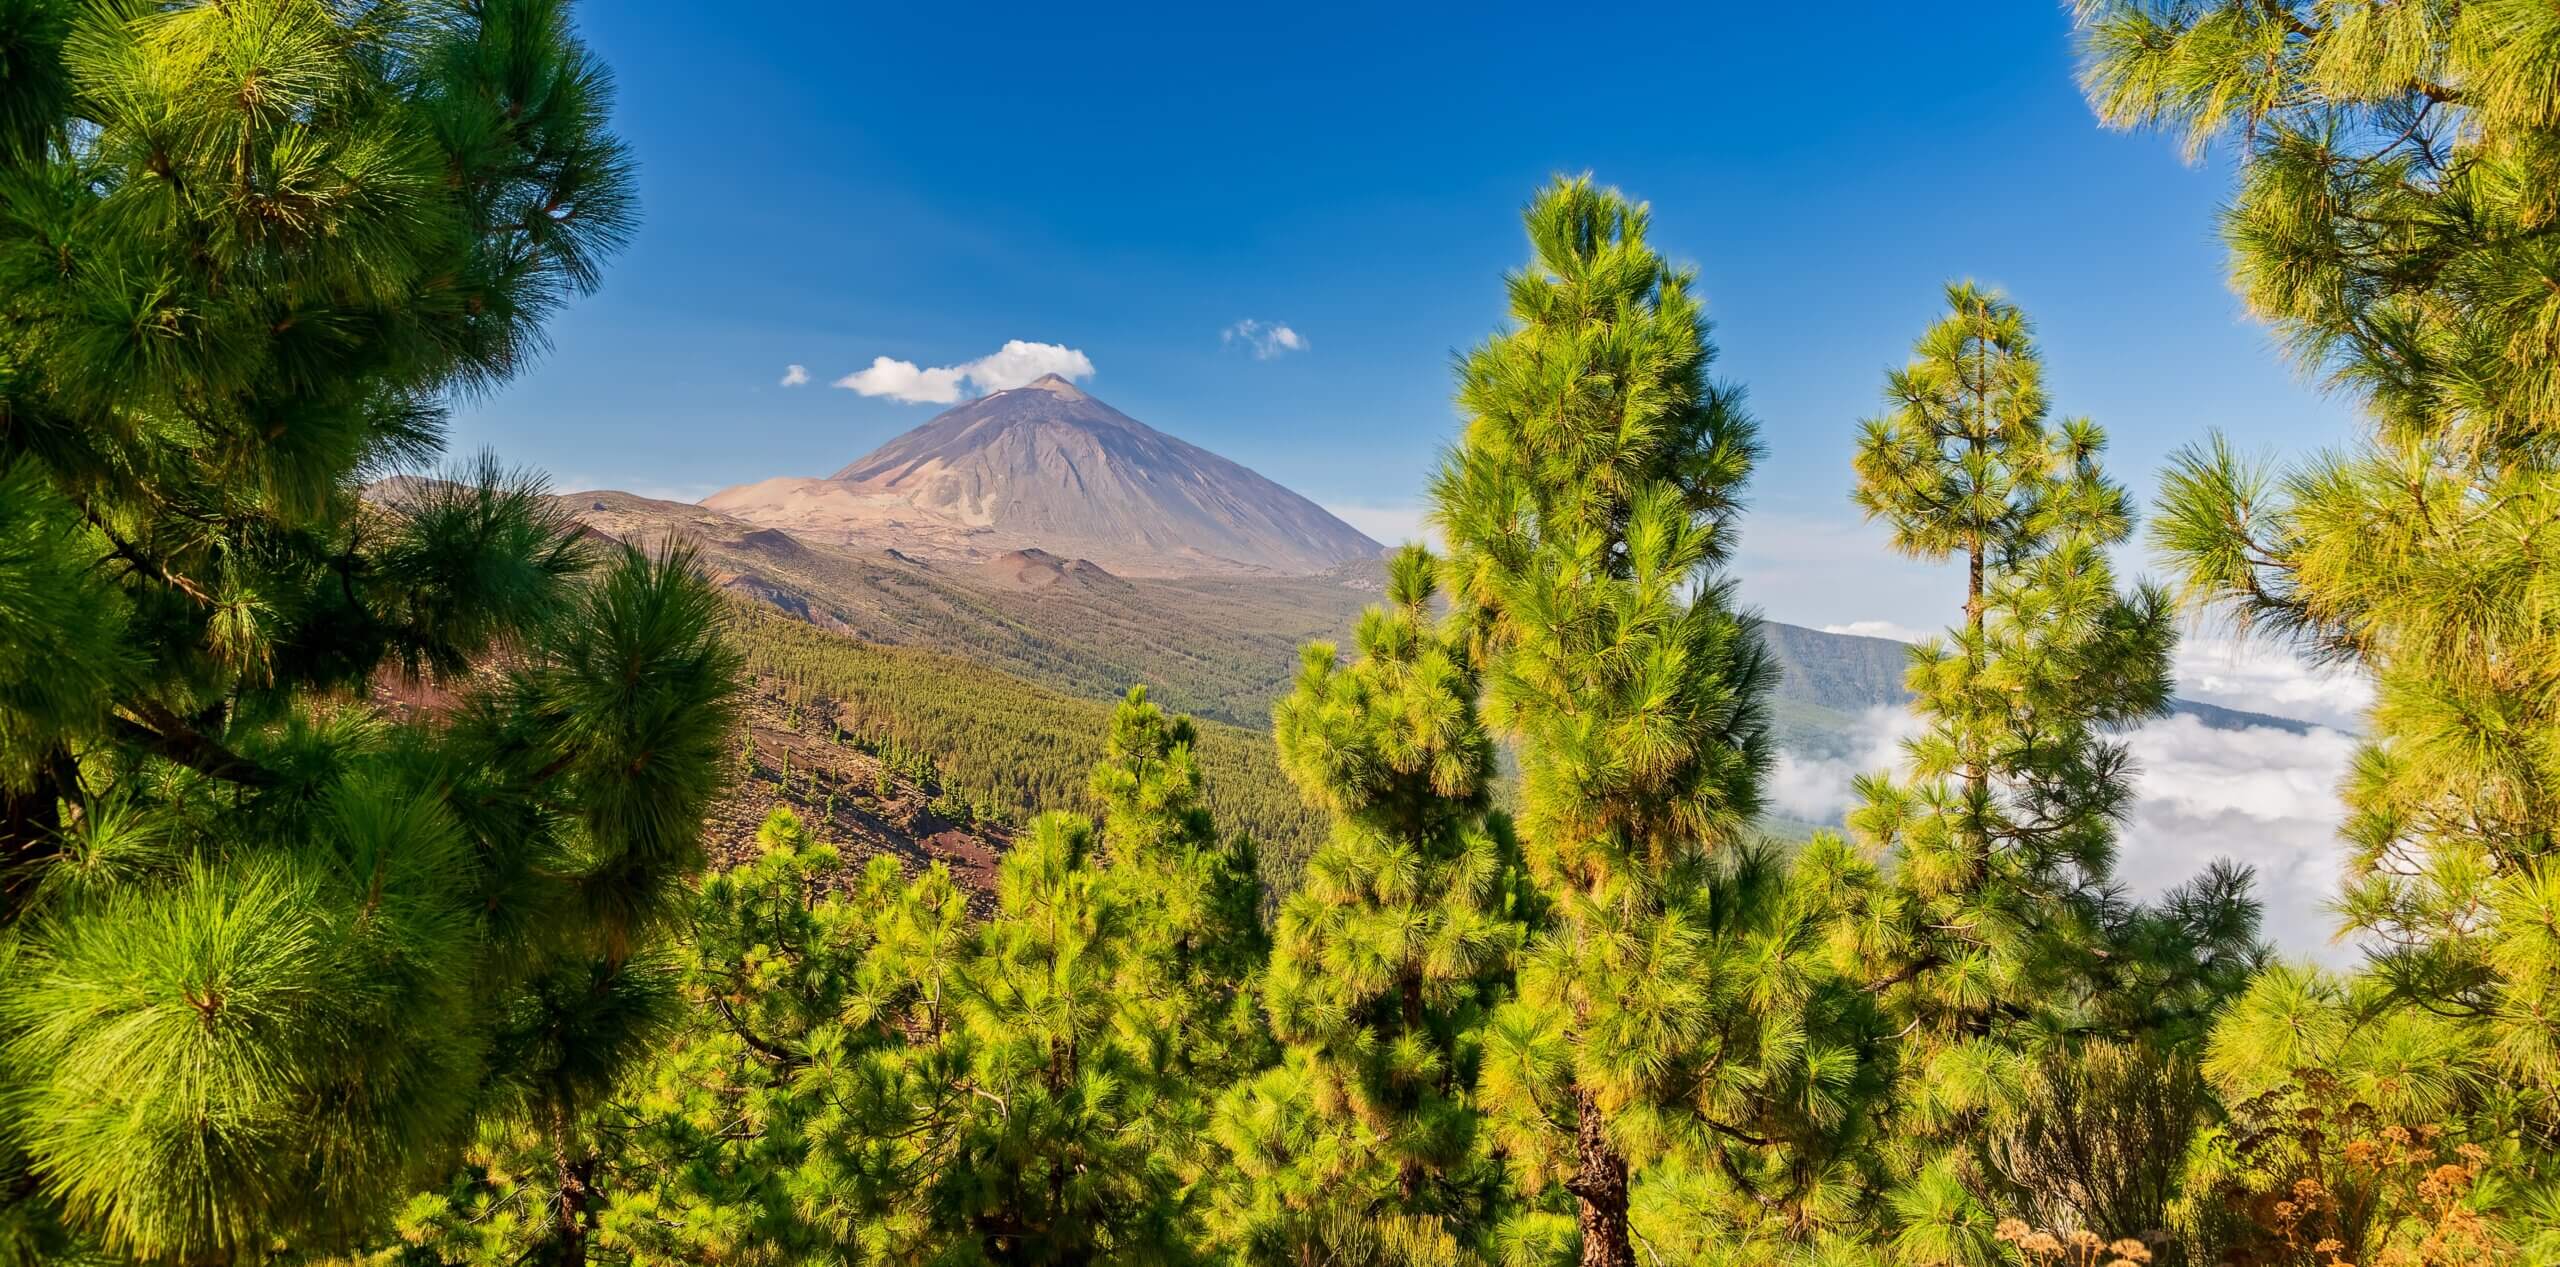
{"x": 1049, "y": 467}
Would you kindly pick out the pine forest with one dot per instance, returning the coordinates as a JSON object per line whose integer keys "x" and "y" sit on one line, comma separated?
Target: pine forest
{"x": 427, "y": 870}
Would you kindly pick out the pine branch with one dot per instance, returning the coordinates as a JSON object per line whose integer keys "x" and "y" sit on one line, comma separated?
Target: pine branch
{"x": 171, "y": 739}
{"x": 142, "y": 561}
{"x": 788, "y": 1059}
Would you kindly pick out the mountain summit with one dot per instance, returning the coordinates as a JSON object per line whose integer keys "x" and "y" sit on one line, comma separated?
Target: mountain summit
{"x": 1050, "y": 467}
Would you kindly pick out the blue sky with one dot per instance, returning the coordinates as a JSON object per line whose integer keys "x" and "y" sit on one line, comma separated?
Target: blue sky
{"x": 824, "y": 184}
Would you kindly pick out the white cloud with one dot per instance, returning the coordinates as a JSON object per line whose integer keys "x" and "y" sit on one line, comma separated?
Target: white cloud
{"x": 2216, "y": 668}
{"x": 795, "y": 375}
{"x": 2263, "y": 797}
{"x": 1267, "y": 338}
{"x": 1879, "y": 629}
{"x": 1392, "y": 525}
{"x": 1016, "y": 364}
{"x": 1815, "y": 788}
{"x": 2251, "y": 674}
{"x": 905, "y": 380}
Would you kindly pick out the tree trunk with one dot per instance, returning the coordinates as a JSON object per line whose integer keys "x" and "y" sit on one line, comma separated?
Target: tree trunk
{"x": 1973, "y": 604}
{"x": 1975, "y": 777}
{"x": 1409, "y": 1175}
{"x": 1600, "y": 1181}
{"x": 1977, "y": 536}
{"x": 567, "y": 1245}
{"x": 31, "y": 830}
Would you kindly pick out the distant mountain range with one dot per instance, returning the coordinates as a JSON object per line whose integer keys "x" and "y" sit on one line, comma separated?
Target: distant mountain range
{"x": 1048, "y": 467}
{"x": 1223, "y": 644}
{"x": 1044, "y": 533}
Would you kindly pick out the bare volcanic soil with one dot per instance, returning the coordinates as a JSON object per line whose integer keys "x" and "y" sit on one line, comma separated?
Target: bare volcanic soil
{"x": 845, "y": 796}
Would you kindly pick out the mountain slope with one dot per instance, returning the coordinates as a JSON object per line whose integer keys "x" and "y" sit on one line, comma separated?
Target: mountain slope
{"x": 1050, "y": 467}
{"x": 1221, "y": 646}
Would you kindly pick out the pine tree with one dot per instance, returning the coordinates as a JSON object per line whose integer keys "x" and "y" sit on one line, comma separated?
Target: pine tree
{"x": 2393, "y": 221}
{"x": 868, "y": 1073}
{"x": 1994, "y": 936}
{"x": 2004, "y": 833}
{"x": 1587, "y": 511}
{"x": 271, "y": 948}
{"x": 1197, "y": 941}
{"x": 808, "y": 1086}
{"x": 1069, "y": 1163}
{"x": 1386, "y": 958}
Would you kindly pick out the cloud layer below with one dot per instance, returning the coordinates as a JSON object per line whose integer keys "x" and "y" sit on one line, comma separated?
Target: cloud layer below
{"x": 1018, "y": 363}
{"x": 2252, "y": 675}
{"x": 2218, "y": 669}
{"x": 1878, "y": 629}
{"x": 2262, "y": 797}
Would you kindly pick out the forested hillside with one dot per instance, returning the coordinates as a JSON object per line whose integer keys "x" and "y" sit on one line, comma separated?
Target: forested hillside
{"x": 1008, "y": 744}
{"x": 869, "y": 796}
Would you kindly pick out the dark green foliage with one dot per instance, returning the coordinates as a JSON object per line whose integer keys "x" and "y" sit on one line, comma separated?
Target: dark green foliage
{"x": 340, "y": 947}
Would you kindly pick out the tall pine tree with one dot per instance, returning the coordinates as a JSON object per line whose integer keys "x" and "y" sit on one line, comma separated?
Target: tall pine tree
{"x": 1587, "y": 510}
{"x": 1193, "y": 897}
{"x": 2005, "y": 832}
{"x": 1994, "y": 935}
